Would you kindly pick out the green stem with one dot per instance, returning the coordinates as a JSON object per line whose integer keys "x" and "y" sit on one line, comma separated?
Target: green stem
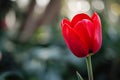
{"x": 89, "y": 67}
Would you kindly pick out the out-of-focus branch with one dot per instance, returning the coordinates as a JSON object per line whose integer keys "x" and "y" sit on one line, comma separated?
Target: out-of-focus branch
{"x": 47, "y": 17}
{"x": 29, "y": 13}
{"x": 51, "y": 12}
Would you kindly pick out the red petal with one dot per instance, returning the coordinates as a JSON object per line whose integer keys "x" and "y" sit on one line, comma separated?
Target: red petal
{"x": 65, "y": 21}
{"x": 73, "y": 41}
{"x": 97, "y": 41}
{"x": 85, "y": 30}
{"x": 78, "y": 18}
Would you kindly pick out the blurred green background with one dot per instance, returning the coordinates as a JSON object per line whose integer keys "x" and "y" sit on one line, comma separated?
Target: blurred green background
{"x": 32, "y": 47}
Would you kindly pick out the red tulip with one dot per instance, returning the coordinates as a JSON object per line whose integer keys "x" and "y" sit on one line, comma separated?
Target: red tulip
{"x": 83, "y": 35}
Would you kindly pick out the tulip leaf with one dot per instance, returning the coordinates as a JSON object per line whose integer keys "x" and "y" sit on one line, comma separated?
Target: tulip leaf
{"x": 79, "y": 76}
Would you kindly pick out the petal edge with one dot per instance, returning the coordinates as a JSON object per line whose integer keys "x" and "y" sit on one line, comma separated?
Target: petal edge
{"x": 79, "y": 17}
{"x": 65, "y": 21}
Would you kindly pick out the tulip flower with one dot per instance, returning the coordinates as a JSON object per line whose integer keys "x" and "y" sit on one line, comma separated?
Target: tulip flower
{"x": 83, "y": 34}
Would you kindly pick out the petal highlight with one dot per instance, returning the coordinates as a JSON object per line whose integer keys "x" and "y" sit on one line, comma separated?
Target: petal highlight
{"x": 85, "y": 30}
{"x": 97, "y": 33}
{"x": 73, "y": 41}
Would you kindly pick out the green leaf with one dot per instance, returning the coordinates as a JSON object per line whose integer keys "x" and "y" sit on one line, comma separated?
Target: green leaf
{"x": 79, "y": 76}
